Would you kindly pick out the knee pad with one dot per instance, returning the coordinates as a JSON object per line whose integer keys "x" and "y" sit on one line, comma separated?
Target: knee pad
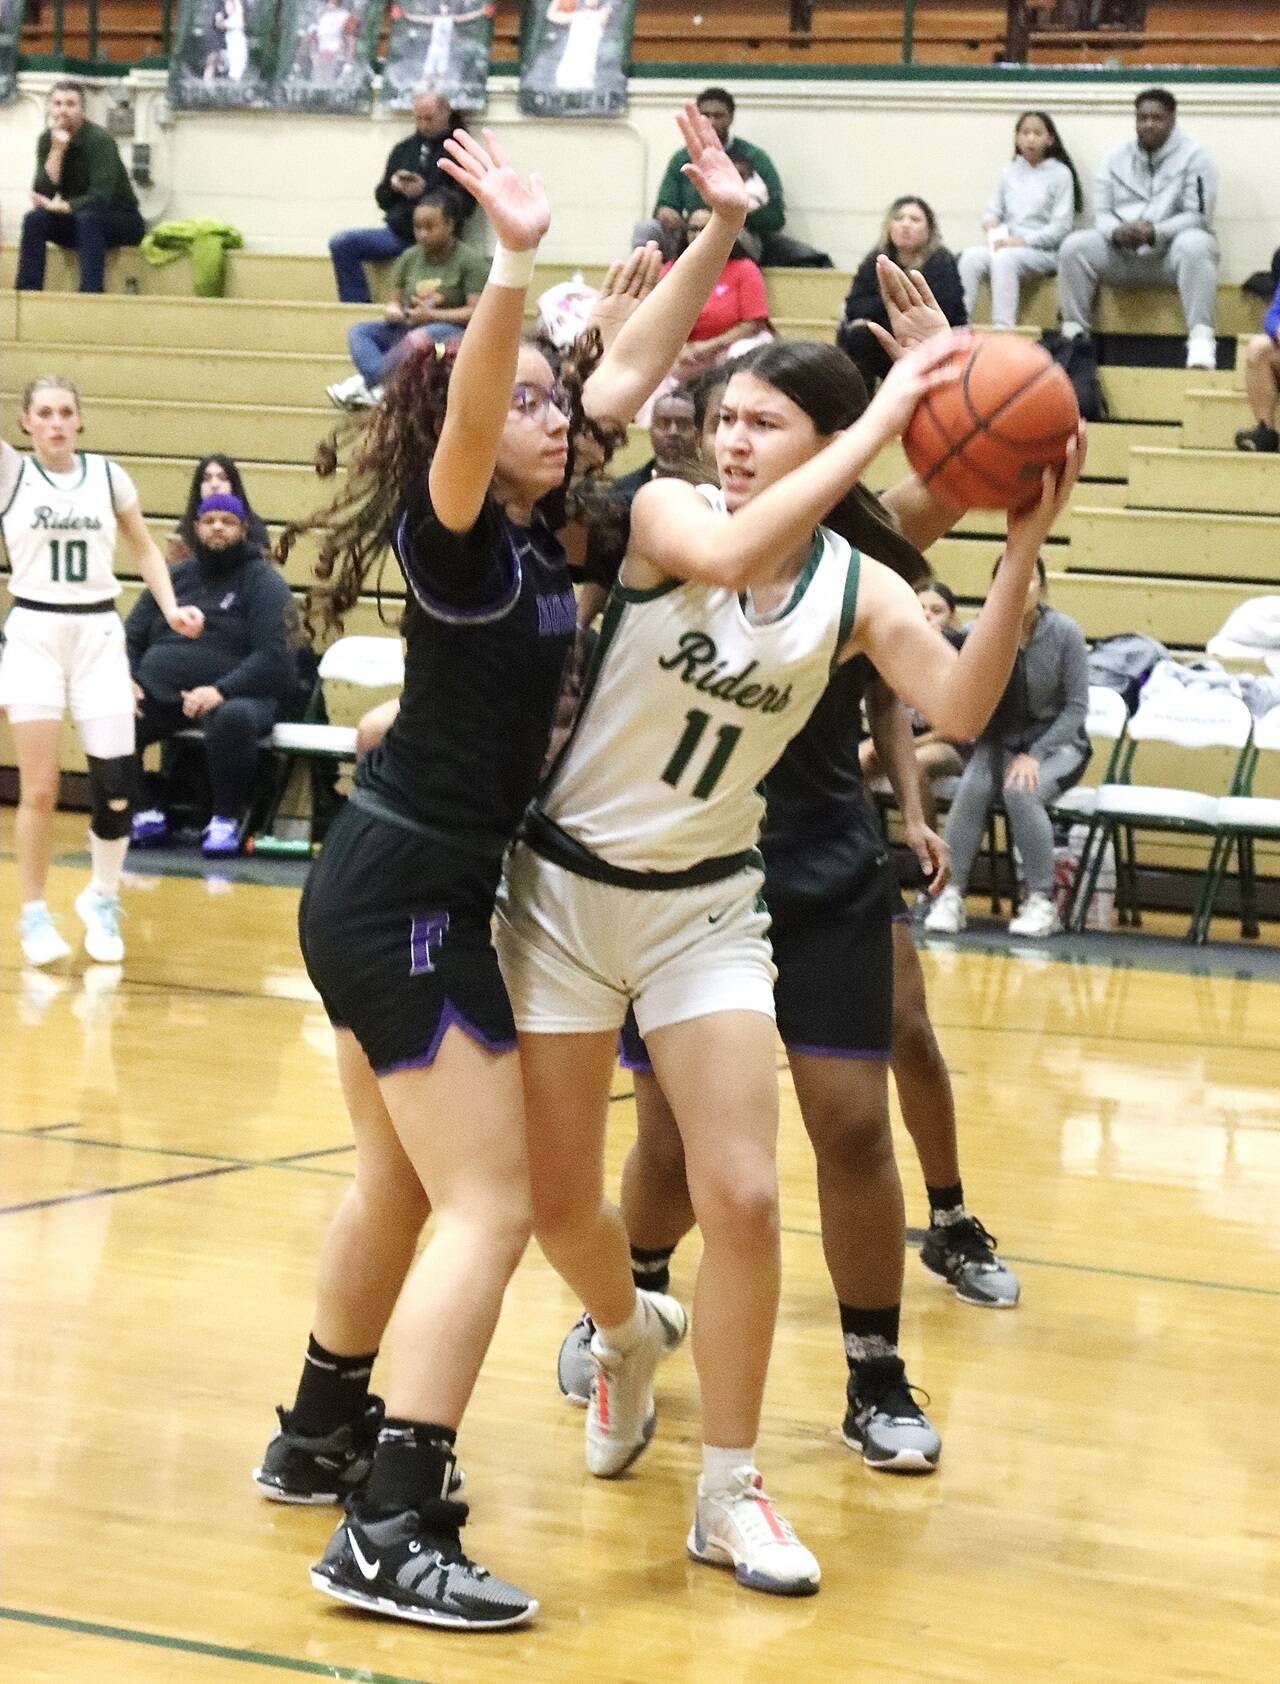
{"x": 111, "y": 792}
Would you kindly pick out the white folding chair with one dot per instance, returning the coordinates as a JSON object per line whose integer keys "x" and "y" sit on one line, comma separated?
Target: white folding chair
{"x": 1108, "y": 716}
{"x": 366, "y": 663}
{"x": 1241, "y": 819}
{"x": 1191, "y": 718}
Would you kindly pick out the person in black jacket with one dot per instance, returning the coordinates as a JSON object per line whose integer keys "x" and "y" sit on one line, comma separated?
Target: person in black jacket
{"x": 214, "y": 473}
{"x": 244, "y": 668}
{"x": 412, "y": 169}
{"x": 912, "y": 240}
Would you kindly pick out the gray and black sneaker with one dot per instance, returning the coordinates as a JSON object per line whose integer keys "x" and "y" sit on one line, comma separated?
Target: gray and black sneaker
{"x": 1259, "y": 438}
{"x": 575, "y": 1367}
{"x": 411, "y": 1566}
{"x": 297, "y": 1469}
{"x": 885, "y": 1422}
{"x": 964, "y": 1254}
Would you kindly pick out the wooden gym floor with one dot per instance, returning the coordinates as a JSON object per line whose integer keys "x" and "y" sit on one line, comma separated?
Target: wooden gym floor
{"x": 172, "y": 1142}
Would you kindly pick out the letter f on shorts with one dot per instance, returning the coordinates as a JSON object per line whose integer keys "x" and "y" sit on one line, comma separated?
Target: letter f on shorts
{"x": 426, "y": 932}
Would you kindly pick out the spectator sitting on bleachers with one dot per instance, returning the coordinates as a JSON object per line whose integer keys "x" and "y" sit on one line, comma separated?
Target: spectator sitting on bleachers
{"x": 1034, "y": 747}
{"x": 214, "y": 475}
{"x": 735, "y": 318}
{"x": 1030, "y": 215}
{"x": 911, "y": 238}
{"x": 1153, "y": 227}
{"x": 1262, "y": 383}
{"x": 436, "y": 286}
{"x": 673, "y": 433}
{"x": 82, "y": 197}
{"x": 243, "y": 668}
{"x": 762, "y": 239}
{"x": 936, "y": 756}
{"x": 412, "y": 171}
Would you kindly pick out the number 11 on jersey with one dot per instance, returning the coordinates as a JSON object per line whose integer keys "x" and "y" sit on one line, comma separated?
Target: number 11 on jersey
{"x": 696, "y": 722}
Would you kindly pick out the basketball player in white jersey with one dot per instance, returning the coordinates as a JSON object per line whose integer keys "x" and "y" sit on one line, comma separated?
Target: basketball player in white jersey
{"x": 638, "y": 878}
{"x": 64, "y": 647}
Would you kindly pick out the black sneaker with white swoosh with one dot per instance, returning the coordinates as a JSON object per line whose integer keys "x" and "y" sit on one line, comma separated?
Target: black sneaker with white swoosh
{"x": 411, "y": 1566}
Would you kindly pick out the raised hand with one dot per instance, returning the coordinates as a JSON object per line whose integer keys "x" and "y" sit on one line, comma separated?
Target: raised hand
{"x": 914, "y": 313}
{"x": 1029, "y": 527}
{"x": 710, "y": 168}
{"x": 921, "y": 370}
{"x": 520, "y": 214}
{"x": 627, "y": 283}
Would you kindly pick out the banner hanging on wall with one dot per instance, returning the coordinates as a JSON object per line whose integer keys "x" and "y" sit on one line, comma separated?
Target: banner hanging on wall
{"x": 443, "y": 45}
{"x": 223, "y": 55}
{"x": 326, "y": 54}
{"x": 10, "y": 33}
{"x": 574, "y": 56}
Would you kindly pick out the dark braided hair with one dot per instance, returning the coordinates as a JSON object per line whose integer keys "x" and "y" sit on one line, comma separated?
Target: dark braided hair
{"x": 391, "y": 450}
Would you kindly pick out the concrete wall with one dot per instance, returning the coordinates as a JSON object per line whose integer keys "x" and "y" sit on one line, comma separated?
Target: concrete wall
{"x": 844, "y": 149}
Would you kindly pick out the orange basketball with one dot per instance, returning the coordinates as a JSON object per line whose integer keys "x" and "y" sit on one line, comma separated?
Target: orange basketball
{"x": 984, "y": 441}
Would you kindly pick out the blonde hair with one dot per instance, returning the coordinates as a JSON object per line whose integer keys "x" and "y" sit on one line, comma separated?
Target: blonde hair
{"x": 50, "y": 383}
{"x": 934, "y": 242}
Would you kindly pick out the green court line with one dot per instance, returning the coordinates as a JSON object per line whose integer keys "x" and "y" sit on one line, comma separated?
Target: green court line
{"x": 1097, "y": 1269}
{"x": 189, "y": 1646}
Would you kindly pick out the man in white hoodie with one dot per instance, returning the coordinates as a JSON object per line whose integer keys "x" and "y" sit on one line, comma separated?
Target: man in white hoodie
{"x": 1153, "y": 226}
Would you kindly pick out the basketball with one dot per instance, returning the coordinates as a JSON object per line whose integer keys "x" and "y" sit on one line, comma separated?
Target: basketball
{"x": 983, "y": 441}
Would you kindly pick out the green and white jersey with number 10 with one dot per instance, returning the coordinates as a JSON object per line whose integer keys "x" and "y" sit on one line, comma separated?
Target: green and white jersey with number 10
{"x": 60, "y": 530}
{"x": 690, "y": 700}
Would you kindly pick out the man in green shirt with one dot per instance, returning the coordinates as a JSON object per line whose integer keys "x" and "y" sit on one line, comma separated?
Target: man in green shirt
{"x": 81, "y": 198}
{"x": 762, "y": 238}
{"x": 435, "y": 287}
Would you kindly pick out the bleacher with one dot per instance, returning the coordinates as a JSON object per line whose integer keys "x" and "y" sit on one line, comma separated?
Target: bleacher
{"x": 1170, "y": 529}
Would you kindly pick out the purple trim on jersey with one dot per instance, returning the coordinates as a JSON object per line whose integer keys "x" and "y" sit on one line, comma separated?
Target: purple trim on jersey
{"x": 449, "y": 1017}
{"x": 447, "y": 612}
{"x": 870, "y": 1055}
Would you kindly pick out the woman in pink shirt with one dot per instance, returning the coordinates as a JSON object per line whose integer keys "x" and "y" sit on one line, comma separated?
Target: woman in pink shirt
{"x": 734, "y": 320}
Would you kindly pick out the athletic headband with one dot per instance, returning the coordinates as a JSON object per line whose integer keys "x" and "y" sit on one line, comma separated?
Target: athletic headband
{"x": 222, "y": 500}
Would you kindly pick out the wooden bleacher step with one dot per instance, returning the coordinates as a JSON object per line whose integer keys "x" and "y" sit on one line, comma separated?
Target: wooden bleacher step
{"x": 1235, "y": 547}
{"x": 1223, "y": 482}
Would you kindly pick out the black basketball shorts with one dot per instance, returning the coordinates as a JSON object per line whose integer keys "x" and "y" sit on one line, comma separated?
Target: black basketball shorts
{"x": 834, "y": 993}
{"x": 395, "y": 932}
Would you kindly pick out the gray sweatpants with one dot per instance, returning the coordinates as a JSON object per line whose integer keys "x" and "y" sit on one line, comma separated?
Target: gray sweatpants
{"x": 1189, "y": 262}
{"x": 981, "y": 785}
{"x": 1008, "y": 269}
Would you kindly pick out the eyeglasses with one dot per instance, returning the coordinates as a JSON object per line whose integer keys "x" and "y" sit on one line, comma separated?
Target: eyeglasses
{"x": 533, "y": 401}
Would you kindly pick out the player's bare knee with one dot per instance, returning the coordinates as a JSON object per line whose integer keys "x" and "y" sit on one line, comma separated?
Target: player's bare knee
{"x": 739, "y": 1203}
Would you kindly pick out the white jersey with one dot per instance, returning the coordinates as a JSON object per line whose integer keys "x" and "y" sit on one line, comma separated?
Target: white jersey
{"x": 690, "y": 701}
{"x": 583, "y": 33}
{"x": 60, "y": 530}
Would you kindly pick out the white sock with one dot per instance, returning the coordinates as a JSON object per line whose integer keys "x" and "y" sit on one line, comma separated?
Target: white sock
{"x": 720, "y": 1465}
{"x": 33, "y": 906}
{"x": 107, "y": 859}
{"x": 1073, "y": 330}
{"x": 626, "y": 1336}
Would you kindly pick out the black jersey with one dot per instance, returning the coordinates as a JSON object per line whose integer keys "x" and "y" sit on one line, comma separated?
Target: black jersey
{"x": 488, "y": 626}
{"x": 820, "y": 833}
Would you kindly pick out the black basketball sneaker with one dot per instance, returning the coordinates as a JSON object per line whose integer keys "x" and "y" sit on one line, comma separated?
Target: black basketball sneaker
{"x": 411, "y": 1566}
{"x": 298, "y": 1469}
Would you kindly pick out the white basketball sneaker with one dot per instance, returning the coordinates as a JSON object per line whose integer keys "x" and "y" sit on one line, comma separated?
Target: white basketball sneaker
{"x": 1037, "y": 917}
{"x": 621, "y": 1415}
{"x": 741, "y": 1529}
{"x": 947, "y": 915}
{"x": 41, "y": 943}
{"x": 100, "y": 915}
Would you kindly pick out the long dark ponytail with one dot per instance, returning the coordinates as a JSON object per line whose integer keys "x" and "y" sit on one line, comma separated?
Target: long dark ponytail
{"x": 828, "y": 388}
{"x": 1056, "y": 150}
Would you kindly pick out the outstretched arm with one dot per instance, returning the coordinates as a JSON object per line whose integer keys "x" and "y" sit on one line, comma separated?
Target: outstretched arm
{"x": 485, "y": 372}
{"x": 650, "y": 341}
{"x": 155, "y": 572}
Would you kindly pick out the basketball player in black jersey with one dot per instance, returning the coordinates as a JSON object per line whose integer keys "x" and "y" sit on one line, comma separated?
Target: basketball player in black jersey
{"x": 395, "y": 921}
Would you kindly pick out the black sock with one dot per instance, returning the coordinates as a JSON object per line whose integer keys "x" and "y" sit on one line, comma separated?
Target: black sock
{"x": 332, "y": 1392}
{"x": 412, "y": 1469}
{"x": 650, "y": 1270}
{"x": 869, "y": 1333}
{"x": 946, "y": 1204}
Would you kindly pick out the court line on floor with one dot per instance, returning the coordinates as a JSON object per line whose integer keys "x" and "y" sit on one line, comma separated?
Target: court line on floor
{"x": 192, "y": 1646}
{"x": 916, "y": 1235}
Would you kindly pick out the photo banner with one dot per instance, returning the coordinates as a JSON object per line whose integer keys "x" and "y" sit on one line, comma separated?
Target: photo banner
{"x": 443, "y": 45}
{"x": 574, "y": 56}
{"x": 10, "y": 33}
{"x": 326, "y": 57}
{"x": 223, "y": 55}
